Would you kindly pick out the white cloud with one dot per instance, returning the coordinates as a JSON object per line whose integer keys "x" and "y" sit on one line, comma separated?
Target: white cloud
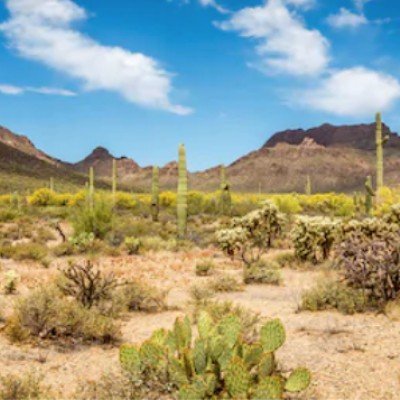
{"x": 353, "y": 92}
{"x": 42, "y": 31}
{"x": 301, "y": 3}
{"x": 346, "y": 19}
{"x": 214, "y": 4}
{"x": 285, "y": 44}
{"x": 17, "y": 90}
{"x": 359, "y": 4}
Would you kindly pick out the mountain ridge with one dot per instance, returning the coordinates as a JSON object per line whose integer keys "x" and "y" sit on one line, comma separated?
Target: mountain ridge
{"x": 335, "y": 157}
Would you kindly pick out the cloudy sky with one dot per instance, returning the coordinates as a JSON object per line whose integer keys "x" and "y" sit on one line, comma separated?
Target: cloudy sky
{"x": 141, "y": 76}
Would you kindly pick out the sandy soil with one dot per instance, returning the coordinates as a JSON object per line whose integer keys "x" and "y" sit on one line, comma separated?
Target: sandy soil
{"x": 351, "y": 357}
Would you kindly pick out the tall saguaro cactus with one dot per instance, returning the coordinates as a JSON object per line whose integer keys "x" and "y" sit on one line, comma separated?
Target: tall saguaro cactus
{"x": 91, "y": 188}
{"x": 226, "y": 199}
{"x": 114, "y": 180}
{"x": 308, "y": 187}
{"x": 182, "y": 194}
{"x": 155, "y": 194}
{"x": 369, "y": 194}
{"x": 380, "y": 141}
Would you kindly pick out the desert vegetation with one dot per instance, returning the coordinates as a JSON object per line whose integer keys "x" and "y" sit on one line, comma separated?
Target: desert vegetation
{"x": 195, "y": 295}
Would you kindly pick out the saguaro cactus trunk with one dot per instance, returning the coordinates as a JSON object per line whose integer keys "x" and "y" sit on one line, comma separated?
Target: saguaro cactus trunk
{"x": 182, "y": 194}
{"x": 51, "y": 184}
{"x": 226, "y": 198}
{"x": 369, "y": 195}
{"x": 380, "y": 141}
{"x": 308, "y": 188}
{"x": 91, "y": 188}
{"x": 114, "y": 180}
{"x": 155, "y": 194}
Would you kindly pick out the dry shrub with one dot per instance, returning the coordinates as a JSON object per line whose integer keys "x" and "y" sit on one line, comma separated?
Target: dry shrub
{"x": 25, "y": 251}
{"x": 263, "y": 271}
{"x": 138, "y": 296}
{"x": 226, "y": 283}
{"x": 86, "y": 283}
{"x": 46, "y": 314}
{"x": 204, "y": 267}
{"x": 23, "y": 387}
{"x": 330, "y": 294}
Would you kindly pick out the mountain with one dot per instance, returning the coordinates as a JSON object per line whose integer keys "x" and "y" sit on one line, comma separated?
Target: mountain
{"x": 101, "y": 160}
{"x": 360, "y": 137}
{"x": 24, "y": 167}
{"x": 337, "y": 158}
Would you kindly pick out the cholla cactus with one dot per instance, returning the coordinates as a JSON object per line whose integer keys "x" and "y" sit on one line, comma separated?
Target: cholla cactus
{"x": 217, "y": 364}
{"x": 182, "y": 206}
{"x": 314, "y": 237}
{"x": 251, "y": 235}
{"x": 155, "y": 194}
{"x": 372, "y": 262}
{"x": 10, "y": 285}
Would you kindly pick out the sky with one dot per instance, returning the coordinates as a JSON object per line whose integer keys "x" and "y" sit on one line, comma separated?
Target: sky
{"x": 141, "y": 76}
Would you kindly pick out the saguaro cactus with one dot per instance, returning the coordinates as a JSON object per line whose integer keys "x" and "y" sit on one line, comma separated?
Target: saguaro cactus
{"x": 380, "y": 142}
{"x": 91, "y": 188}
{"x": 51, "y": 184}
{"x": 182, "y": 194}
{"x": 308, "y": 186}
{"x": 155, "y": 194}
{"x": 369, "y": 194}
{"x": 226, "y": 199}
{"x": 114, "y": 180}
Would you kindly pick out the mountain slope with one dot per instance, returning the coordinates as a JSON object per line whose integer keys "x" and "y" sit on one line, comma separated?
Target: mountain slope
{"x": 335, "y": 158}
{"x": 352, "y": 136}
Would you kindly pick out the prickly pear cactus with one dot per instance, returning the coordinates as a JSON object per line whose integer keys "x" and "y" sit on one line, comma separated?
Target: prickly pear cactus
{"x": 217, "y": 364}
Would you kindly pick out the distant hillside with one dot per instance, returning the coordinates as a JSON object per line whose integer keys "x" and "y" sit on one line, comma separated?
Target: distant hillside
{"x": 23, "y": 167}
{"x": 360, "y": 137}
{"x": 337, "y": 158}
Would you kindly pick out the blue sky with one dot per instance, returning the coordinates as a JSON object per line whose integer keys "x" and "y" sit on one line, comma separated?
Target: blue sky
{"x": 141, "y": 76}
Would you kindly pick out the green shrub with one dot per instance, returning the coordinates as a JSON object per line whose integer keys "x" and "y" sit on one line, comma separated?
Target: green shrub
{"x": 132, "y": 245}
{"x": 25, "y": 251}
{"x": 97, "y": 220}
{"x": 10, "y": 285}
{"x": 204, "y": 267}
{"x": 45, "y": 314}
{"x": 7, "y": 215}
{"x": 262, "y": 271}
{"x": 156, "y": 243}
{"x": 334, "y": 295}
{"x": 218, "y": 364}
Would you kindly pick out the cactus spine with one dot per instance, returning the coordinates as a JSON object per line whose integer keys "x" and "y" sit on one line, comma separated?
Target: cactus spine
{"x": 155, "y": 194}
{"x": 308, "y": 186}
{"x": 226, "y": 199}
{"x": 114, "y": 180}
{"x": 182, "y": 193}
{"x": 91, "y": 188}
